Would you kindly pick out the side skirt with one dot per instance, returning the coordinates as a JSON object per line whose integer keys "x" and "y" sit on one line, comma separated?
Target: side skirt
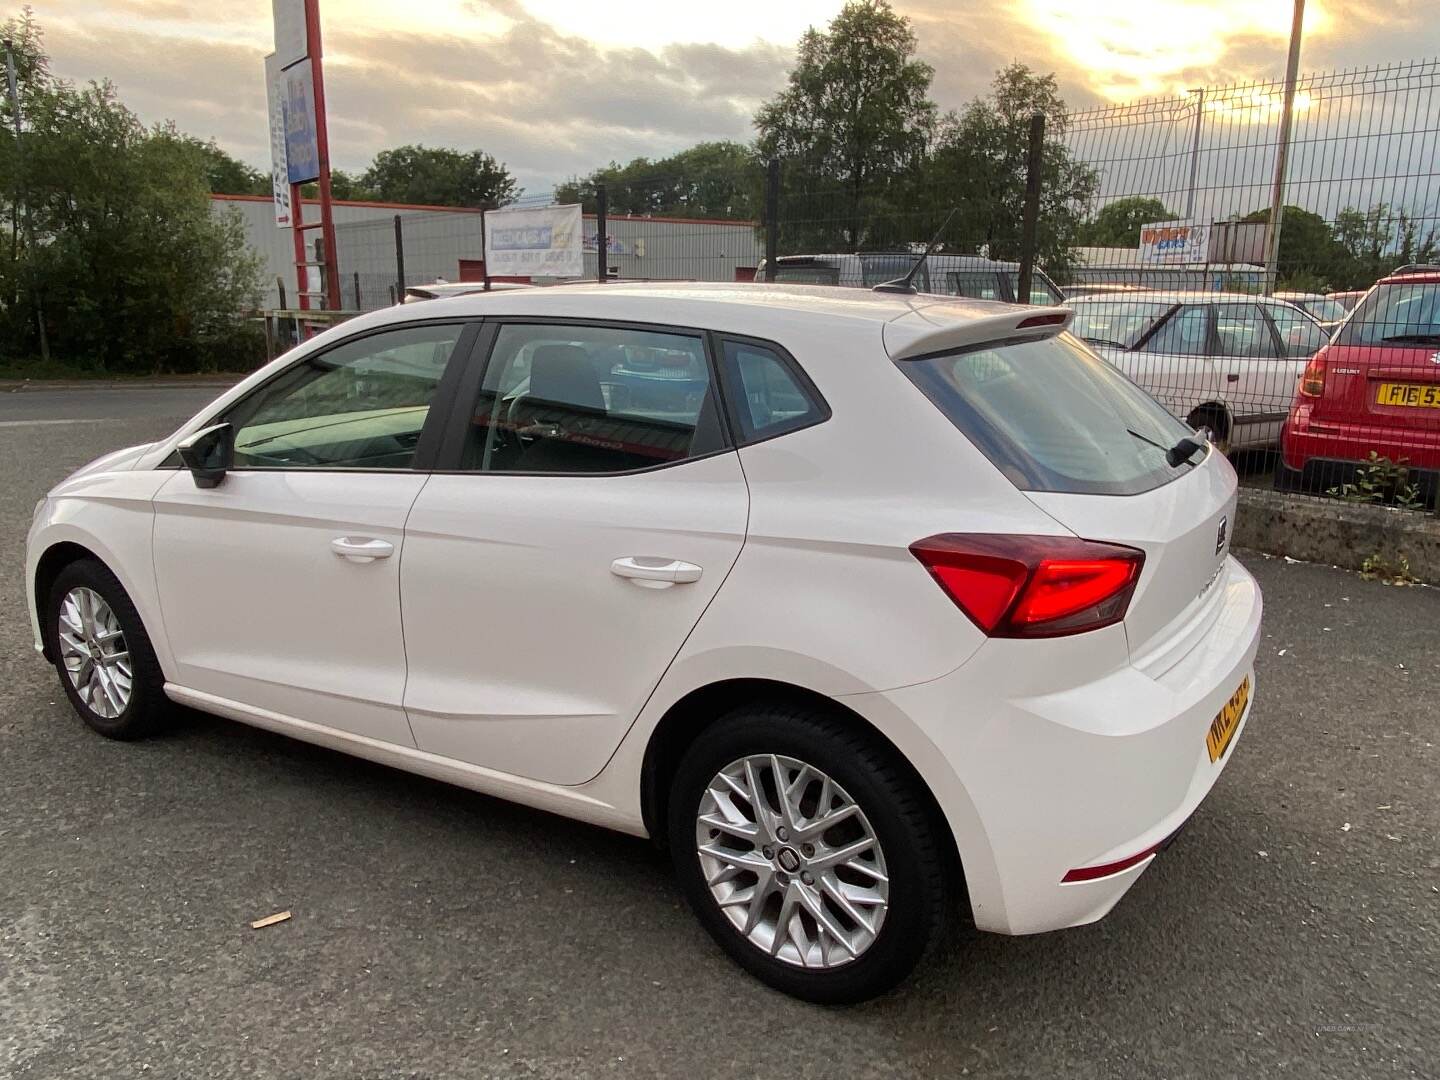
{"x": 557, "y": 799}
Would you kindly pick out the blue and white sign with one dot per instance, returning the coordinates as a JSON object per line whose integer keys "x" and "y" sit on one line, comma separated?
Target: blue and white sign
{"x": 534, "y": 243}
{"x": 1174, "y": 243}
{"x": 302, "y": 144}
{"x": 279, "y": 171}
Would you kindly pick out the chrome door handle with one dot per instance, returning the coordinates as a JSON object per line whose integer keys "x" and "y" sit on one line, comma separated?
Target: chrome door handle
{"x": 361, "y": 549}
{"x": 655, "y": 573}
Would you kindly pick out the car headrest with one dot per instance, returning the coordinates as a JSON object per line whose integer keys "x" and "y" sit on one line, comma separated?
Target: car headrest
{"x": 564, "y": 374}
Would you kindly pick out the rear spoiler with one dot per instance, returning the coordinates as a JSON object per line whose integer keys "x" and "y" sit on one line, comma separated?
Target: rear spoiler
{"x": 940, "y": 328}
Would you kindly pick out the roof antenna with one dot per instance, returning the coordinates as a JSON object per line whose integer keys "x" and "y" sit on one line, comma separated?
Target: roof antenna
{"x": 905, "y": 284}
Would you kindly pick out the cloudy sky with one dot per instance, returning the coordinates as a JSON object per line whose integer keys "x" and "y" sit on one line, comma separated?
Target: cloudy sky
{"x": 557, "y": 87}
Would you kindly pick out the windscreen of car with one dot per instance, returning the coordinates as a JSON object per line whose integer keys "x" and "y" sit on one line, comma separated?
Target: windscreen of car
{"x": 807, "y": 274}
{"x": 1053, "y": 416}
{"x": 878, "y": 269}
{"x": 1400, "y": 315}
{"x": 1120, "y": 323}
{"x": 1325, "y": 310}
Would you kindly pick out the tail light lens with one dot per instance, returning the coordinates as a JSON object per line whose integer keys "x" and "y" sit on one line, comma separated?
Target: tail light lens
{"x": 1312, "y": 382}
{"x": 1032, "y": 586}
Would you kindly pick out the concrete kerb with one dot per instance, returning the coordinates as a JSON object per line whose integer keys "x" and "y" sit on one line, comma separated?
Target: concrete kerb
{"x": 1337, "y": 533}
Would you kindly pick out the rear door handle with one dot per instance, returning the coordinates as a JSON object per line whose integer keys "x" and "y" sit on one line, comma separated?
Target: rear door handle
{"x": 361, "y": 549}
{"x": 655, "y": 573}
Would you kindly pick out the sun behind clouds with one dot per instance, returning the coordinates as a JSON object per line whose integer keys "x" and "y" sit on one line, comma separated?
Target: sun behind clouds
{"x": 1139, "y": 48}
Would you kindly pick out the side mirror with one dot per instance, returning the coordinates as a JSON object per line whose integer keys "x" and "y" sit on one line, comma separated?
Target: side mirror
{"x": 209, "y": 454}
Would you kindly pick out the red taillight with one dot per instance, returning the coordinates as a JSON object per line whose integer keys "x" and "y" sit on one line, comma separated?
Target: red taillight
{"x": 1032, "y": 586}
{"x": 1312, "y": 382}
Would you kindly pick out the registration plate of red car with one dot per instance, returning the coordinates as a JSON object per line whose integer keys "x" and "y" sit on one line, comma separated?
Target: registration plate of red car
{"x": 1409, "y": 395}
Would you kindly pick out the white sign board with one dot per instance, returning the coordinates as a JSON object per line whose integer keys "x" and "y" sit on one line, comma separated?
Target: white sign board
{"x": 292, "y": 43}
{"x": 534, "y": 243}
{"x": 279, "y": 171}
{"x": 1174, "y": 243}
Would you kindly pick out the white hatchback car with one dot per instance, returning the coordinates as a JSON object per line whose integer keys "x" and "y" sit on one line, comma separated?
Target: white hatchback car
{"x": 858, "y": 602}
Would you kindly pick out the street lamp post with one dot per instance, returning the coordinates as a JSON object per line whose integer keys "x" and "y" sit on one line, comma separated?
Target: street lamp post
{"x": 1282, "y": 151}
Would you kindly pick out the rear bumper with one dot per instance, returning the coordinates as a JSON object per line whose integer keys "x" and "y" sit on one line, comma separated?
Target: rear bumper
{"x": 1332, "y": 445}
{"x": 1052, "y": 777}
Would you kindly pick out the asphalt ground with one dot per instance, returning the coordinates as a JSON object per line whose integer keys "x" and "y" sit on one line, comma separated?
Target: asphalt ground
{"x": 1292, "y": 930}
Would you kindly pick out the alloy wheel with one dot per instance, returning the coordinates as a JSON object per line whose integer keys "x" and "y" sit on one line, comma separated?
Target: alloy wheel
{"x": 792, "y": 862}
{"x": 93, "y": 649}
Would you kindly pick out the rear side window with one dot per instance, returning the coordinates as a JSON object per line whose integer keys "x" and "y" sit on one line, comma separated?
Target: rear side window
{"x": 807, "y": 274}
{"x": 1396, "y": 315}
{"x": 976, "y": 284}
{"x": 768, "y": 395}
{"x": 1243, "y": 332}
{"x": 561, "y": 398}
{"x": 1185, "y": 333}
{"x": 1053, "y": 416}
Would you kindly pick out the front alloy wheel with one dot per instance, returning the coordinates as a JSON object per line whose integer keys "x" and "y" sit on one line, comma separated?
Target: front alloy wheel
{"x": 93, "y": 652}
{"x": 792, "y": 861}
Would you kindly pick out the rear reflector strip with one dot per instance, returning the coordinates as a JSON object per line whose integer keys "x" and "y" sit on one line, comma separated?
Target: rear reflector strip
{"x": 1091, "y": 873}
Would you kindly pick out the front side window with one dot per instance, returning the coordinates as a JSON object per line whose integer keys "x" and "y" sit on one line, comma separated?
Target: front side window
{"x": 1185, "y": 333}
{"x": 360, "y": 405}
{"x": 1243, "y": 332}
{"x": 1053, "y": 416}
{"x": 768, "y": 397}
{"x": 1300, "y": 336}
{"x": 590, "y": 399}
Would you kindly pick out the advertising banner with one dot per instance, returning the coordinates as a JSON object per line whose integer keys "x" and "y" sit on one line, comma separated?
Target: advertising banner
{"x": 279, "y": 172}
{"x": 302, "y": 145}
{"x": 1174, "y": 243}
{"x": 613, "y": 246}
{"x": 534, "y": 243}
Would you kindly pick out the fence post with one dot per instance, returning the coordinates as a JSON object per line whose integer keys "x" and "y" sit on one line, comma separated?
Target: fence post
{"x": 602, "y": 242}
{"x": 772, "y": 216}
{"x": 1031, "y": 214}
{"x": 485, "y": 255}
{"x": 358, "y": 305}
{"x": 399, "y": 260}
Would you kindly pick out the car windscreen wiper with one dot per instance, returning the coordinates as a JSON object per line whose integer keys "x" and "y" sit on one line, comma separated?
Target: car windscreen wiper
{"x": 1176, "y": 455}
{"x": 1104, "y": 341}
{"x": 1415, "y": 339}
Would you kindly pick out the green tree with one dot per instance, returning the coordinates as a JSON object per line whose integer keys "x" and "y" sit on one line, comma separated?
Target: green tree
{"x": 225, "y": 174}
{"x": 1309, "y": 255}
{"x": 122, "y": 260}
{"x": 440, "y": 177}
{"x": 1118, "y": 224}
{"x": 980, "y": 161}
{"x": 854, "y": 121}
{"x": 710, "y": 179}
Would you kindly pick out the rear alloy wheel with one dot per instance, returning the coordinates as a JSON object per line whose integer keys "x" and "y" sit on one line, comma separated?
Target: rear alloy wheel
{"x": 807, "y": 853}
{"x": 102, "y": 653}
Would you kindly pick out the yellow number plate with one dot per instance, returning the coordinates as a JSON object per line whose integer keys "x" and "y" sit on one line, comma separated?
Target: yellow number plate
{"x": 1418, "y": 397}
{"x": 1222, "y": 728}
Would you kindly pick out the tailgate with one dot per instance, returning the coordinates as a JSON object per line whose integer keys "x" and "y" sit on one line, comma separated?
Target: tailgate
{"x": 1184, "y": 529}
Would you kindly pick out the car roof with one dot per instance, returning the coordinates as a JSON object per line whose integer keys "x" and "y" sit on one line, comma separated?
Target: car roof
{"x": 1413, "y": 278}
{"x": 910, "y": 322}
{"x": 978, "y": 262}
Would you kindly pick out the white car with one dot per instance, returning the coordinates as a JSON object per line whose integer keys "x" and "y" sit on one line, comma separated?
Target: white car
{"x": 861, "y": 603}
{"x": 1225, "y": 362}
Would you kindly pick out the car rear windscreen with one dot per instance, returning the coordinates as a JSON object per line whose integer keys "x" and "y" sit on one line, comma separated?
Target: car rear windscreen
{"x": 1402, "y": 314}
{"x": 1053, "y": 416}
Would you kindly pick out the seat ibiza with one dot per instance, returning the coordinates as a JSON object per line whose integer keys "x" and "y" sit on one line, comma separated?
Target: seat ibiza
{"x": 863, "y": 604}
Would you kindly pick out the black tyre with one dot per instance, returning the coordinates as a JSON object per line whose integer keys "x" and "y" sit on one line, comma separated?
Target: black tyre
{"x": 1216, "y": 423}
{"x": 103, "y": 654}
{"x": 831, "y": 883}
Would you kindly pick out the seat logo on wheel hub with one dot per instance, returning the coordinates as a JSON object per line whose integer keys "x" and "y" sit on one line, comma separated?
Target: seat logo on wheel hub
{"x": 788, "y": 859}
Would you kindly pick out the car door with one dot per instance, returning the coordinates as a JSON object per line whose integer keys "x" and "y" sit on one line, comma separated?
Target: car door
{"x": 280, "y": 586}
{"x": 1259, "y": 379}
{"x": 1173, "y": 362}
{"x": 589, "y": 509}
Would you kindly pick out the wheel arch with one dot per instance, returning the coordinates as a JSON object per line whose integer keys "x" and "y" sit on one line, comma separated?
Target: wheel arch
{"x": 690, "y": 715}
{"x": 48, "y": 567}
{"x": 1218, "y": 408}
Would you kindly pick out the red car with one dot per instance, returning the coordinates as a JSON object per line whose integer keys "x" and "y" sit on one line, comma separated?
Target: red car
{"x": 1374, "y": 387}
